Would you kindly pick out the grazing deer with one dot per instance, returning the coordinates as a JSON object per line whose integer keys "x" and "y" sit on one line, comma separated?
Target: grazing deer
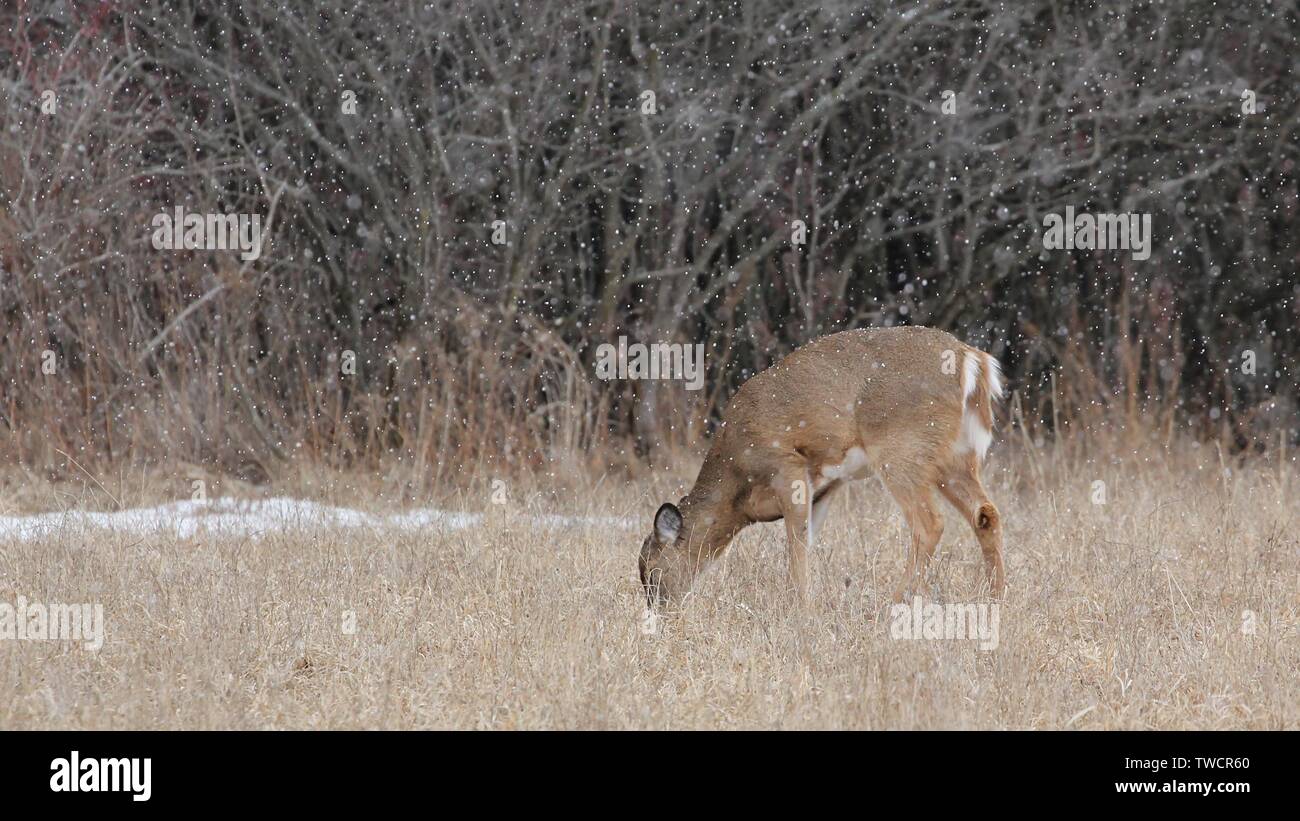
{"x": 911, "y": 405}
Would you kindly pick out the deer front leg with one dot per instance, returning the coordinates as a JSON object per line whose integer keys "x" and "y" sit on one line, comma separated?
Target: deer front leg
{"x": 795, "y": 496}
{"x": 797, "y": 549}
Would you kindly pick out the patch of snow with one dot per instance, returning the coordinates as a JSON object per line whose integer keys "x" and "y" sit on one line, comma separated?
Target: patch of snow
{"x": 233, "y": 517}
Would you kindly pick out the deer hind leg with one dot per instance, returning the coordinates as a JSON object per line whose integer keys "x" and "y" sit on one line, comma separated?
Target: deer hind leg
{"x": 962, "y": 487}
{"x": 916, "y": 498}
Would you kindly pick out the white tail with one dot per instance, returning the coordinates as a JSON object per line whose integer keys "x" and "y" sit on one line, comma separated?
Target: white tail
{"x": 981, "y": 386}
{"x": 912, "y": 406}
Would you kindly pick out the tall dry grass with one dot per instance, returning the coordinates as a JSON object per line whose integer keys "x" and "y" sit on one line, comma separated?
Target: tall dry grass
{"x": 1127, "y": 614}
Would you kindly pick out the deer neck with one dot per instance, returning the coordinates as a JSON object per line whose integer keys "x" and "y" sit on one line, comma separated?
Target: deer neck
{"x": 711, "y": 510}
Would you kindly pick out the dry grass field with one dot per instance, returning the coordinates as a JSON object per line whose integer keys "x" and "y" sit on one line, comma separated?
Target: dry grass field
{"x": 1135, "y": 613}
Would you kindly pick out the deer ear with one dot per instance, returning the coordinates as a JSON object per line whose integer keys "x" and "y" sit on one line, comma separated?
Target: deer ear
{"x": 668, "y": 522}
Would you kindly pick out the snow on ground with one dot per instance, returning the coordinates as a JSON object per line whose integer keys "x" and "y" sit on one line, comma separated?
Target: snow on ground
{"x": 233, "y": 517}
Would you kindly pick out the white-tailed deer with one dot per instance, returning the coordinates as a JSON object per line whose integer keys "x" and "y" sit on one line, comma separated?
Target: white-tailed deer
{"x": 910, "y": 405}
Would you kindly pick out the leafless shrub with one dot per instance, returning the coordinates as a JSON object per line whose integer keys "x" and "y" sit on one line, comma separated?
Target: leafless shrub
{"x": 664, "y": 222}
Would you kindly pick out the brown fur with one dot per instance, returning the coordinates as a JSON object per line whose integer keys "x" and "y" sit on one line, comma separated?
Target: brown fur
{"x": 885, "y": 391}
